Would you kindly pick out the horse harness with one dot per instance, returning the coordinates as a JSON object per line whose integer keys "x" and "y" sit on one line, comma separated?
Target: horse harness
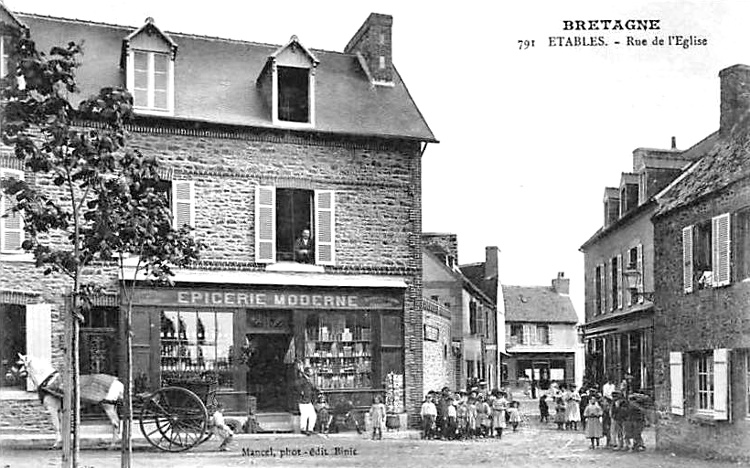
{"x": 50, "y": 386}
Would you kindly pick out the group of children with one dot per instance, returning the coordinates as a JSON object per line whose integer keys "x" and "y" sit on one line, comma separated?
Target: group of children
{"x": 618, "y": 416}
{"x": 461, "y": 415}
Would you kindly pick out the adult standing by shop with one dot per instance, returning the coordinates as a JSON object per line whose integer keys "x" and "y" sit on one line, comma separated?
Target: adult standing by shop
{"x": 306, "y": 395}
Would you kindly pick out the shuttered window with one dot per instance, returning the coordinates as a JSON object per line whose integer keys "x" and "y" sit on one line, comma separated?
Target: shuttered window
{"x": 721, "y": 384}
{"x": 183, "y": 203}
{"x": 687, "y": 259}
{"x": 720, "y": 249}
{"x": 11, "y": 224}
{"x": 265, "y": 224}
{"x": 325, "y": 227}
{"x": 675, "y": 383}
{"x": 639, "y": 267}
{"x": 619, "y": 281}
{"x": 603, "y": 289}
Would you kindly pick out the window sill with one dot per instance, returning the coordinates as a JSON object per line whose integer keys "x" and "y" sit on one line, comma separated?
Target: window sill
{"x": 158, "y": 112}
{"x": 295, "y": 267}
{"x": 22, "y": 257}
{"x": 14, "y": 394}
{"x": 702, "y": 418}
{"x": 291, "y": 124}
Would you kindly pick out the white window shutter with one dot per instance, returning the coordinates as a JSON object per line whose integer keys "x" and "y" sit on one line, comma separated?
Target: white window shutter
{"x": 721, "y": 249}
{"x": 619, "y": 281}
{"x": 608, "y": 286}
{"x": 603, "y": 289}
{"x": 325, "y": 227}
{"x": 687, "y": 259}
{"x": 721, "y": 384}
{"x": 265, "y": 224}
{"x": 11, "y": 224}
{"x": 639, "y": 267}
{"x": 183, "y": 203}
{"x": 675, "y": 383}
{"x": 38, "y": 334}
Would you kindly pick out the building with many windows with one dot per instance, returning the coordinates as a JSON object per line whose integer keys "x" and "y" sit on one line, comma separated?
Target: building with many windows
{"x": 619, "y": 270}
{"x": 540, "y": 334}
{"x": 258, "y": 144}
{"x": 702, "y": 291}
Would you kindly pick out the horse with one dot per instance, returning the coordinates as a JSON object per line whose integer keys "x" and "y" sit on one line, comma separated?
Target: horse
{"x": 103, "y": 389}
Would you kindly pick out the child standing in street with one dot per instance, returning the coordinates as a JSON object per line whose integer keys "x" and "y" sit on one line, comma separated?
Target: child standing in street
{"x": 499, "y": 406}
{"x": 560, "y": 419}
{"x": 377, "y": 416}
{"x": 515, "y": 415}
{"x": 428, "y": 413}
{"x": 592, "y": 414}
{"x": 543, "y": 409}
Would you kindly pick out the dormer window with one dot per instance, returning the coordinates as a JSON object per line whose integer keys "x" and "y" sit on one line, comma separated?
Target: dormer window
{"x": 294, "y": 94}
{"x": 4, "y": 55}
{"x": 287, "y": 83}
{"x": 149, "y": 60}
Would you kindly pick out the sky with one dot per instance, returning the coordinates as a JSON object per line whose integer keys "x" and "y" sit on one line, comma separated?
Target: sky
{"x": 529, "y": 137}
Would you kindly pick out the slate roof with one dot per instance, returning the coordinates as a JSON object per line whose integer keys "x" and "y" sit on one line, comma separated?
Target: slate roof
{"x": 727, "y": 160}
{"x": 215, "y": 81}
{"x": 537, "y": 304}
{"x": 475, "y": 273}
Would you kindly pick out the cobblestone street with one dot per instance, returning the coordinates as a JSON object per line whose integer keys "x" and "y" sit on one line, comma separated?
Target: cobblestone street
{"x": 531, "y": 446}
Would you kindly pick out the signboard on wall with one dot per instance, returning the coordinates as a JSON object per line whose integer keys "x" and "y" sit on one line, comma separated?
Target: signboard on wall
{"x": 431, "y": 333}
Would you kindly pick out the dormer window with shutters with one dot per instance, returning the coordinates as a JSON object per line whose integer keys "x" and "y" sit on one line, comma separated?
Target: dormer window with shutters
{"x": 148, "y": 58}
{"x": 287, "y": 83}
{"x": 281, "y": 216}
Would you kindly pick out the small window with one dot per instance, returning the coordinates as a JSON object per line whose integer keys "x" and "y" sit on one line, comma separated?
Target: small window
{"x": 704, "y": 380}
{"x": 473, "y": 318}
{"x": 516, "y": 334}
{"x": 294, "y": 94}
{"x": 633, "y": 259}
{"x": 293, "y": 217}
{"x": 12, "y": 343}
{"x": 5, "y": 47}
{"x": 151, "y": 80}
{"x": 542, "y": 334}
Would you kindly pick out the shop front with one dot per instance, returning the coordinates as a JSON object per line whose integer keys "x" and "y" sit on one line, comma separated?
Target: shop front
{"x": 249, "y": 339}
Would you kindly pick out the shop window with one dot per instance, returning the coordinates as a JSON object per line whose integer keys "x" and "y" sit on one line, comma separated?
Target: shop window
{"x": 294, "y": 94}
{"x": 339, "y": 349}
{"x": 281, "y": 217}
{"x": 12, "y": 342}
{"x": 197, "y": 345}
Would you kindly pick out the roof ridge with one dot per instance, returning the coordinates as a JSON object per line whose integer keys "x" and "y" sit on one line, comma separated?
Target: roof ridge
{"x": 173, "y": 33}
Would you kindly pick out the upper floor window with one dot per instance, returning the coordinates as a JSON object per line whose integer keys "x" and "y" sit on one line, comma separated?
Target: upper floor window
{"x": 599, "y": 287}
{"x": 294, "y": 94}
{"x": 150, "y": 69}
{"x": 542, "y": 334}
{"x": 516, "y": 334}
{"x": 11, "y": 223}
{"x": 294, "y": 225}
{"x": 5, "y": 45}
{"x": 706, "y": 251}
{"x": 616, "y": 282}
{"x": 151, "y": 80}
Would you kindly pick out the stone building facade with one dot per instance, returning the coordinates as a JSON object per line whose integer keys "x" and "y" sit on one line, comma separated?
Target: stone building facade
{"x": 702, "y": 281}
{"x": 257, "y": 143}
{"x": 618, "y": 270}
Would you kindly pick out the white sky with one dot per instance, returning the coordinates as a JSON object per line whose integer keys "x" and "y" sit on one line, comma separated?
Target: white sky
{"x": 528, "y": 139}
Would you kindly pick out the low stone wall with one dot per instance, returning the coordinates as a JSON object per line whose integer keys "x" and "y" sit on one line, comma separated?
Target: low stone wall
{"x": 25, "y": 415}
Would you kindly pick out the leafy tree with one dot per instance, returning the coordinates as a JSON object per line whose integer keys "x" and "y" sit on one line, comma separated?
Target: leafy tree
{"x": 95, "y": 201}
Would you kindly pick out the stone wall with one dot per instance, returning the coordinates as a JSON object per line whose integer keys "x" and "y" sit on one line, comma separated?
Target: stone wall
{"x": 438, "y": 355}
{"x": 705, "y": 319}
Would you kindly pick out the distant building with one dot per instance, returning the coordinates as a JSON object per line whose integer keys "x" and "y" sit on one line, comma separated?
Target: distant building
{"x": 702, "y": 281}
{"x": 473, "y": 344}
{"x": 540, "y": 334}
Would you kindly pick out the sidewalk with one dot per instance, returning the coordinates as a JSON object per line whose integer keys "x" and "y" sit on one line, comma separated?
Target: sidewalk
{"x": 99, "y": 436}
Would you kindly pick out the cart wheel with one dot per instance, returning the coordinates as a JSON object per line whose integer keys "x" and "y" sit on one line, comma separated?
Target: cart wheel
{"x": 174, "y": 419}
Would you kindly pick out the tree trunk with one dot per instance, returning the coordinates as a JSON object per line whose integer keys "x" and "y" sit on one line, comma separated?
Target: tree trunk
{"x": 76, "y": 391}
{"x": 127, "y": 435}
{"x": 67, "y": 457}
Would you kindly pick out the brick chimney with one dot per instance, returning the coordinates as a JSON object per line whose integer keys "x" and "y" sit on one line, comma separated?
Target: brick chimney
{"x": 491, "y": 262}
{"x": 735, "y": 98}
{"x": 373, "y": 42}
{"x": 561, "y": 284}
